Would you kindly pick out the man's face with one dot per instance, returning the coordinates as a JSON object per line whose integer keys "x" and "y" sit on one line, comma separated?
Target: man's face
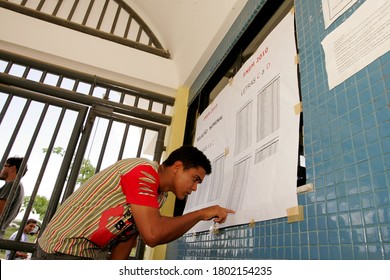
{"x": 187, "y": 180}
{"x": 5, "y": 171}
{"x": 29, "y": 228}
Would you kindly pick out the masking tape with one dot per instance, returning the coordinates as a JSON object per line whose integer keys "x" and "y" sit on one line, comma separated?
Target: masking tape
{"x": 295, "y": 214}
{"x": 305, "y": 188}
{"x": 297, "y": 59}
{"x": 298, "y": 108}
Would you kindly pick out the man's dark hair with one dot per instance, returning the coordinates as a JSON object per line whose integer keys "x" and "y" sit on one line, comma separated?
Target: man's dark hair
{"x": 16, "y": 161}
{"x": 31, "y": 221}
{"x": 190, "y": 156}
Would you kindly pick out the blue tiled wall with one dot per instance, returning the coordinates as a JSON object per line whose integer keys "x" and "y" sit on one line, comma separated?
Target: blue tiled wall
{"x": 347, "y": 150}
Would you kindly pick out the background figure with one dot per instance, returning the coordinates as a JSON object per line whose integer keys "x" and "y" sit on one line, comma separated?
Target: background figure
{"x": 8, "y": 174}
{"x": 30, "y": 226}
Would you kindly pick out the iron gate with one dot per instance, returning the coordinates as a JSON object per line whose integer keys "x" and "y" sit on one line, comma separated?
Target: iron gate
{"x": 59, "y": 120}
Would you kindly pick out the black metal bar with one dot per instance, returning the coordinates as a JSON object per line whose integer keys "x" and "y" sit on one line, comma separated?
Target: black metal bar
{"x": 75, "y": 85}
{"x": 129, "y": 120}
{"x": 39, "y": 97}
{"x": 106, "y": 109}
{"x": 22, "y": 167}
{"x": 85, "y": 29}
{"x": 59, "y": 81}
{"x": 125, "y": 133}
{"x": 77, "y": 107}
{"x": 8, "y": 67}
{"x": 57, "y": 8}
{"x": 40, "y": 5}
{"x": 46, "y": 160}
{"x": 71, "y": 13}
{"x": 141, "y": 142}
{"x": 123, "y": 143}
{"x": 66, "y": 163}
{"x": 136, "y": 101}
{"x": 29, "y": 149}
{"x": 92, "y": 88}
{"x": 43, "y": 76}
{"x": 87, "y": 100}
{"x": 122, "y": 99}
{"x": 5, "y": 107}
{"x": 93, "y": 79}
{"x": 129, "y": 20}
{"x": 140, "y": 21}
{"x": 164, "y": 109}
{"x": 139, "y": 34}
{"x": 102, "y": 15}
{"x": 15, "y": 132}
{"x": 104, "y": 146}
{"x": 118, "y": 11}
{"x": 159, "y": 144}
{"x": 25, "y": 72}
{"x": 88, "y": 12}
{"x": 17, "y": 245}
{"x": 79, "y": 156}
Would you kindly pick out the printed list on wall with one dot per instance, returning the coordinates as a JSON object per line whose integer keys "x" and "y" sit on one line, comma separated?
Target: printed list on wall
{"x": 358, "y": 41}
{"x": 250, "y": 134}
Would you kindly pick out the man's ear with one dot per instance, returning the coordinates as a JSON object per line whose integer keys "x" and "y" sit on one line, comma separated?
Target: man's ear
{"x": 177, "y": 166}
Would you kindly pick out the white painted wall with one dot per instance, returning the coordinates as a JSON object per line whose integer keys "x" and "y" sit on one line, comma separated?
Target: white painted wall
{"x": 191, "y": 30}
{"x": 69, "y": 48}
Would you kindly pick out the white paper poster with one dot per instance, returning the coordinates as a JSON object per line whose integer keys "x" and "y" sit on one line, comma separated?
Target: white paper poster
{"x": 361, "y": 39}
{"x": 250, "y": 134}
{"x": 332, "y": 9}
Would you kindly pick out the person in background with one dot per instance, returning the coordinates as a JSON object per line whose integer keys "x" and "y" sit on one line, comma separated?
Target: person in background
{"x": 8, "y": 174}
{"x": 30, "y": 226}
{"x": 108, "y": 212}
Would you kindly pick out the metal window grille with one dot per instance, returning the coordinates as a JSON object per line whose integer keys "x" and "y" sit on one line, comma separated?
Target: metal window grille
{"x": 86, "y": 118}
{"x": 112, "y": 20}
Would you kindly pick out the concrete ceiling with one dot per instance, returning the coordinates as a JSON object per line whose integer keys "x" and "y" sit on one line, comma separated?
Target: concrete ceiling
{"x": 189, "y": 29}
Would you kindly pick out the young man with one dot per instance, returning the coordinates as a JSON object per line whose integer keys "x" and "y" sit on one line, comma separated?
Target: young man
{"x": 28, "y": 228}
{"x": 8, "y": 174}
{"x": 113, "y": 207}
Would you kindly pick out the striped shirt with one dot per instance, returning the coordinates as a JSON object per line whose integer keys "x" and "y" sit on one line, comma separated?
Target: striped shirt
{"x": 100, "y": 210}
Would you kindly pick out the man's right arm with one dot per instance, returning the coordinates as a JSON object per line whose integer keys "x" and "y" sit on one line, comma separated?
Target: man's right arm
{"x": 156, "y": 229}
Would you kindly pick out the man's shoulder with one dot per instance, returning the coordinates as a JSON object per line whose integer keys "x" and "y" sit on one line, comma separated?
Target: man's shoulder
{"x": 10, "y": 183}
{"x": 23, "y": 238}
{"x": 12, "y": 237}
{"x": 133, "y": 162}
{"x": 5, "y": 189}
